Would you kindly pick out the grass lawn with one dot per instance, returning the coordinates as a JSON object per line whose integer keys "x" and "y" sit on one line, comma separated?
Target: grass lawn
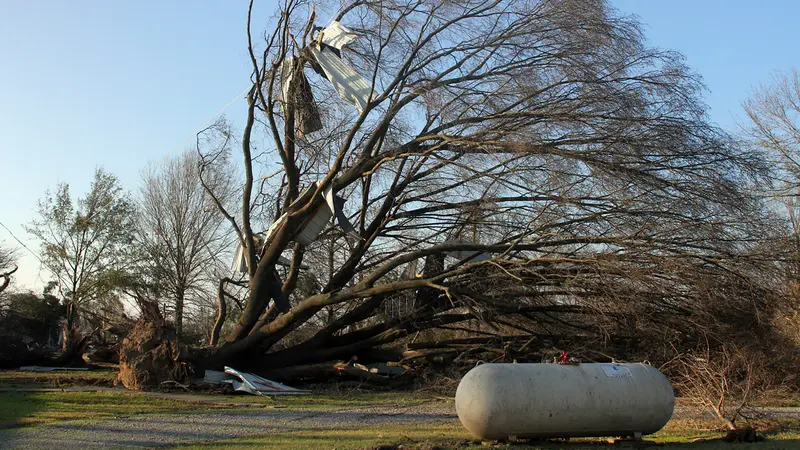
{"x": 675, "y": 436}
{"x": 780, "y": 433}
{"x": 324, "y": 400}
{"x": 19, "y": 409}
{"x": 31, "y": 408}
{"x": 56, "y": 379}
{"x": 422, "y": 436}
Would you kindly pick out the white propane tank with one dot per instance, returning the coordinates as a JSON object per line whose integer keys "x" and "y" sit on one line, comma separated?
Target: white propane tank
{"x": 500, "y": 401}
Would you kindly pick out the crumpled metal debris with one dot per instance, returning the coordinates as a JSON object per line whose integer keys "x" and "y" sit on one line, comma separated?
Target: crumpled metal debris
{"x": 325, "y": 53}
{"x": 313, "y": 226}
{"x": 470, "y": 255}
{"x": 296, "y": 91}
{"x": 336, "y": 35}
{"x": 335, "y": 208}
{"x": 309, "y": 230}
{"x": 239, "y": 263}
{"x": 350, "y": 86}
{"x": 250, "y": 383}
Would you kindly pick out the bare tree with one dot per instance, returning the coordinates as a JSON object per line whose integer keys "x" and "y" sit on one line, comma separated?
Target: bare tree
{"x": 8, "y": 258}
{"x": 85, "y": 247}
{"x": 774, "y": 126}
{"x": 528, "y": 161}
{"x": 180, "y": 233}
{"x": 718, "y": 380}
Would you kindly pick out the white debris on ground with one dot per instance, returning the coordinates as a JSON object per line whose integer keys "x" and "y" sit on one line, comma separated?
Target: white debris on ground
{"x": 250, "y": 383}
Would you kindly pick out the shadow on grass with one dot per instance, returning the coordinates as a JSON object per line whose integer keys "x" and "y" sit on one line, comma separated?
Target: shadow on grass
{"x": 16, "y": 407}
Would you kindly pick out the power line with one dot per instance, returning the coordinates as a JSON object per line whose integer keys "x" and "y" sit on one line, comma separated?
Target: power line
{"x": 209, "y": 122}
{"x": 22, "y": 244}
{"x": 41, "y": 263}
{"x": 214, "y": 117}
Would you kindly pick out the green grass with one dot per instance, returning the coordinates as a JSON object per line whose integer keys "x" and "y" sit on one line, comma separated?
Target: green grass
{"x": 55, "y": 379}
{"x": 432, "y": 436}
{"x": 677, "y": 435}
{"x": 31, "y": 408}
{"x": 422, "y": 436}
{"x": 323, "y": 400}
{"x": 320, "y": 399}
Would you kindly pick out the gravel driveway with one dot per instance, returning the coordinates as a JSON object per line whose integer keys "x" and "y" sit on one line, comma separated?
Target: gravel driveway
{"x": 156, "y": 430}
{"x": 144, "y": 431}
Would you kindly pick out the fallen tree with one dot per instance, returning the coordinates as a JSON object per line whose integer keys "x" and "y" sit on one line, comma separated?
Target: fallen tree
{"x": 528, "y": 166}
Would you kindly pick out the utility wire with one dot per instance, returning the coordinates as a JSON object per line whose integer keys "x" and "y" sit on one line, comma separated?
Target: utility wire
{"x": 209, "y": 122}
{"x": 213, "y": 118}
{"x": 42, "y": 264}
{"x": 22, "y": 243}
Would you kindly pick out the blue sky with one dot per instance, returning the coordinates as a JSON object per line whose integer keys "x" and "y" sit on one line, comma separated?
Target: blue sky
{"x": 119, "y": 84}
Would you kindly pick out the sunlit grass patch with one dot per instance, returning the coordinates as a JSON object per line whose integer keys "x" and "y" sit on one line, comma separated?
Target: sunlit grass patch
{"x": 322, "y": 400}
{"x": 410, "y": 436}
{"x": 678, "y": 434}
{"x": 30, "y": 408}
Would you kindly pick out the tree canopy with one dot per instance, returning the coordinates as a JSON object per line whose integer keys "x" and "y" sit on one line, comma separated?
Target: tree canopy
{"x": 531, "y": 164}
{"x": 85, "y": 245}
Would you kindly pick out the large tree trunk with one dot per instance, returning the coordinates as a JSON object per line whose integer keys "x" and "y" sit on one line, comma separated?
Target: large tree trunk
{"x": 68, "y": 328}
{"x": 179, "y": 300}
{"x": 150, "y": 354}
{"x": 222, "y": 314}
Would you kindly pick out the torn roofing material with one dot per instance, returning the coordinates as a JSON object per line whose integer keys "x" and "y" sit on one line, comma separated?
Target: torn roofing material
{"x": 296, "y": 91}
{"x": 308, "y": 231}
{"x": 250, "y": 383}
{"x": 239, "y": 263}
{"x": 336, "y": 35}
{"x": 325, "y": 54}
{"x": 334, "y": 207}
{"x": 469, "y": 256}
{"x": 350, "y": 86}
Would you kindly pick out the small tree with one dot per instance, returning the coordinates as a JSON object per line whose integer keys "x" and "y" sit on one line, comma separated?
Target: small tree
{"x": 84, "y": 246}
{"x": 720, "y": 381}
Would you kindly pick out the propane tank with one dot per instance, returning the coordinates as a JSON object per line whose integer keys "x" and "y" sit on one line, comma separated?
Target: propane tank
{"x": 502, "y": 401}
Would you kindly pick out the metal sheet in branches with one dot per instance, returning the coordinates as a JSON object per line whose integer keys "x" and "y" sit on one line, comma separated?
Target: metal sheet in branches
{"x": 325, "y": 54}
{"x": 309, "y": 230}
{"x": 333, "y": 207}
